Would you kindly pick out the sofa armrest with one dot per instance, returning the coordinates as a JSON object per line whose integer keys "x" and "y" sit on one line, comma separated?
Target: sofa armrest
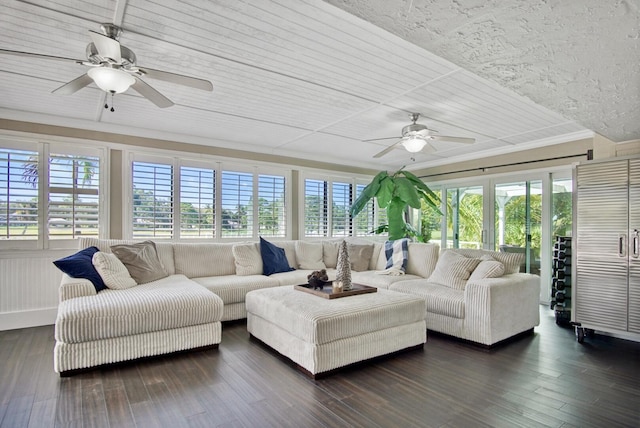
{"x": 75, "y": 287}
{"x": 498, "y": 308}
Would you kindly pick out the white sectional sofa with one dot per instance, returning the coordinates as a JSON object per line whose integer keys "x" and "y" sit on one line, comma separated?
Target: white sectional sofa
{"x": 486, "y": 308}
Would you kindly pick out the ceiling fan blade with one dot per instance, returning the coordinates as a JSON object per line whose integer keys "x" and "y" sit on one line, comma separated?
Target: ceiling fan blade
{"x": 151, "y": 94}
{"x": 379, "y": 139}
{"x": 387, "y": 150}
{"x": 106, "y": 46}
{"x": 428, "y": 149}
{"x": 179, "y": 79}
{"x": 37, "y": 55}
{"x": 74, "y": 86}
{"x": 453, "y": 139}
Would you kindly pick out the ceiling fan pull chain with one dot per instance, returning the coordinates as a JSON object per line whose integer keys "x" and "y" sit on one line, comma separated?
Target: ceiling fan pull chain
{"x": 106, "y": 104}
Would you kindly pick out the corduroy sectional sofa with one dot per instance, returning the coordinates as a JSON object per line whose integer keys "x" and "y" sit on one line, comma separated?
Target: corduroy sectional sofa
{"x": 476, "y": 295}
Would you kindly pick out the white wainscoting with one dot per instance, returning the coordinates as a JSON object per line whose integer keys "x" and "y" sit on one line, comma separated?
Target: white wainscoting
{"x": 29, "y": 288}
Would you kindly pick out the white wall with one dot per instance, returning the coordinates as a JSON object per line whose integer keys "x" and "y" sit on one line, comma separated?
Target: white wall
{"x": 29, "y": 288}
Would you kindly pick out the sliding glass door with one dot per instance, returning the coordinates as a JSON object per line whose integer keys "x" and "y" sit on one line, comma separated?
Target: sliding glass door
{"x": 464, "y": 217}
{"x": 518, "y": 221}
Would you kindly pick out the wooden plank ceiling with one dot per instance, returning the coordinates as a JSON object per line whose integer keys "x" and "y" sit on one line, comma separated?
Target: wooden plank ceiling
{"x": 294, "y": 78}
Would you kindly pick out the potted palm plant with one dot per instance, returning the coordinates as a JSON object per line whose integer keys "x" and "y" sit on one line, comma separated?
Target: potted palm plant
{"x": 396, "y": 193}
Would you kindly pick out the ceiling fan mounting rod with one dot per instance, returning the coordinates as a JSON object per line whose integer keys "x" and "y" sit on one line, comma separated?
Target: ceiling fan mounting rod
{"x": 111, "y": 30}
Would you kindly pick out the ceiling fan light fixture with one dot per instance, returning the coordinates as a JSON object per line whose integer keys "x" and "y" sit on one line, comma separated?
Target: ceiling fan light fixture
{"x": 414, "y": 144}
{"x": 111, "y": 80}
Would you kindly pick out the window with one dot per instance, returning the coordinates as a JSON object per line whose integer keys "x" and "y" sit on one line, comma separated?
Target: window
{"x": 152, "y": 200}
{"x": 49, "y": 193}
{"x": 341, "y": 202}
{"x": 271, "y": 206}
{"x": 316, "y": 219}
{"x": 18, "y": 194}
{"x": 326, "y": 209}
{"x": 197, "y": 202}
{"x": 73, "y": 196}
{"x": 237, "y": 204}
{"x": 198, "y": 199}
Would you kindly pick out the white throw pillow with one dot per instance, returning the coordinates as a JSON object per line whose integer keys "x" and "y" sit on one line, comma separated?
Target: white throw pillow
{"x": 453, "y": 270}
{"x": 247, "y": 259}
{"x": 488, "y": 269}
{"x": 309, "y": 255}
{"x": 112, "y": 271}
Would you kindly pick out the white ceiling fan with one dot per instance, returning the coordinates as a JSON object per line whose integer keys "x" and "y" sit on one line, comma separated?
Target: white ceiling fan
{"x": 113, "y": 69}
{"x": 416, "y": 138}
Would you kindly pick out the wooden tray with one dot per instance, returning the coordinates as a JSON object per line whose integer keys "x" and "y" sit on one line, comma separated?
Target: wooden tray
{"x": 327, "y": 291}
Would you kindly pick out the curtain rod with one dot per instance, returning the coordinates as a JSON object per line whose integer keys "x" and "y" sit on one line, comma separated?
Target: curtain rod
{"x": 589, "y": 156}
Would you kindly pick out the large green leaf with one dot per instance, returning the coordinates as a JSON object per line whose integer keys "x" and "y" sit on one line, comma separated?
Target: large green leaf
{"x": 367, "y": 194}
{"x": 423, "y": 190}
{"x": 385, "y": 193}
{"x": 406, "y": 191}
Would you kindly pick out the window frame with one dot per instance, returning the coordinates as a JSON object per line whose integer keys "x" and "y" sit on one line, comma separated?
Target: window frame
{"x": 218, "y": 166}
{"x": 44, "y": 147}
{"x": 330, "y": 178}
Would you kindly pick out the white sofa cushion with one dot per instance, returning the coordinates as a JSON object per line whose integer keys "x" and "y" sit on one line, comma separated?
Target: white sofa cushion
{"x": 210, "y": 259}
{"x": 440, "y": 299}
{"x": 247, "y": 259}
{"x": 112, "y": 271}
{"x": 310, "y": 255}
{"x": 453, "y": 270}
{"x": 233, "y": 288}
{"x": 168, "y": 303}
{"x": 373, "y": 279}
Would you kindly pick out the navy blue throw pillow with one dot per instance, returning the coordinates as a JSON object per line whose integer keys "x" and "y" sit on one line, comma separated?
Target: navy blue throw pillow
{"x": 79, "y": 265}
{"x": 274, "y": 259}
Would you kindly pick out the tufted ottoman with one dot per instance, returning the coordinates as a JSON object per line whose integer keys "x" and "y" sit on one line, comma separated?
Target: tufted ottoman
{"x": 321, "y": 335}
{"x": 168, "y": 315}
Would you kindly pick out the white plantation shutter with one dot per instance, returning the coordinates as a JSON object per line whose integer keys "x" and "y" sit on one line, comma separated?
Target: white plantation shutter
{"x": 365, "y": 221}
{"x": 341, "y": 203}
{"x": 152, "y": 200}
{"x": 73, "y": 196}
{"x": 237, "y": 204}
{"x": 197, "y": 202}
{"x": 316, "y": 220}
{"x": 271, "y": 206}
{"x": 18, "y": 194}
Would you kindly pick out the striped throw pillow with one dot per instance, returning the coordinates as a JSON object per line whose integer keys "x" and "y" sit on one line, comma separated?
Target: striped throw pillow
{"x": 453, "y": 270}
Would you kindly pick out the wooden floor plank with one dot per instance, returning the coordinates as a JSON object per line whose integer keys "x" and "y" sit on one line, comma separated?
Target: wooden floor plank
{"x": 546, "y": 379}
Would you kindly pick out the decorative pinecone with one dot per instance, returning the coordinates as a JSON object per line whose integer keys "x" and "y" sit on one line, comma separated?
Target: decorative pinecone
{"x": 343, "y": 268}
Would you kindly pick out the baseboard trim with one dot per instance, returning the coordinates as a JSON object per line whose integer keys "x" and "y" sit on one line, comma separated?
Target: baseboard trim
{"x": 26, "y": 319}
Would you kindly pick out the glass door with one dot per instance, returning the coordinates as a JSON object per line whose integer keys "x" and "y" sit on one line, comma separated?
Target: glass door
{"x": 518, "y": 221}
{"x": 464, "y": 210}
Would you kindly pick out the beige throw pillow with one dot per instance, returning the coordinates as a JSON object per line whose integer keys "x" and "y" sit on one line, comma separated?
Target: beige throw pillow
{"x": 141, "y": 260}
{"x": 310, "y": 255}
{"x": 330, "y": 253}
{"x": 360, "y": 256}
{"x": 453, "y": 270}
{"x": 112, "y": 271}
{"x": 488, "y": 269}
{"x": 247, "y": 259}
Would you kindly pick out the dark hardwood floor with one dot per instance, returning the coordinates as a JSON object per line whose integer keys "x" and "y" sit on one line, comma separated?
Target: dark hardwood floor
{"x": 546, "y": 379}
